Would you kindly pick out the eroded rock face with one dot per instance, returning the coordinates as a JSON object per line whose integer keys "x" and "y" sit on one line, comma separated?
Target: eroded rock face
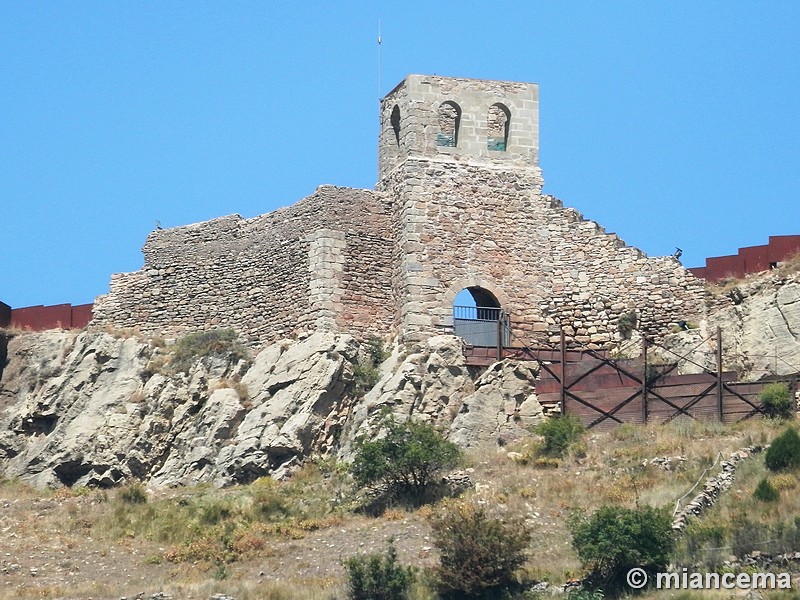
{"x": 89, "y": 408}
{"x": 86, "y": 409}
{"x": 434, "y": 384}
{"x": 93, "y": 409}
{"x": 425, "y": 384}
{"x": 501, "y": 409}
{"x": 763, "y": 326}
{"x": 759, "y": 320}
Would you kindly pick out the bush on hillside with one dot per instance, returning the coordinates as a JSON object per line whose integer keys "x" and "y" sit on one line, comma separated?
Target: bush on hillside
{"x": 559, "y": 433}
{"x": 766, "y": 492}
{"x": 406, "y": 458}
{"x": 377, "y": 576}
{"x": 133, "y": 493}
{"x": 478, "y": 555}
{"x": 784, "y": 452}
{"x": 615, "y": 539}
{"x": 365, "y": 372}
{"x": 777, "y": 401}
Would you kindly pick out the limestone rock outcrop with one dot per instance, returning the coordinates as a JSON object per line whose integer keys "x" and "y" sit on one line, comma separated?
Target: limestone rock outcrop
{"x": 435, "y": 385}
{"x": 91, "y": 408}
{"x": 426, "y": 384}
{"x": 87, "y": 409}
{"x": 502, "y": 408}
{"x": 761, "y": 327}
{"x": 759, "y": 318}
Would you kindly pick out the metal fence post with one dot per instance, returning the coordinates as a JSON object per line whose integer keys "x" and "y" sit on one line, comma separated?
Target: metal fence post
{"x": 563, "y": 387}
{"x": 719, "y": 373}
{"x": 644, "y": 380}
{"x": 499, "y": 334}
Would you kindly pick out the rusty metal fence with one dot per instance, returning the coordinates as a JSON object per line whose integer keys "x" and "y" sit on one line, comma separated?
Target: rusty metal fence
{"x": 604, "y": 391}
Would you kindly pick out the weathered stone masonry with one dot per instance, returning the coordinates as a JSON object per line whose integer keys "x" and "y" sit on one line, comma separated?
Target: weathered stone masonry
{"x": 304, "y": 267}
{"x": 458, "y": 205}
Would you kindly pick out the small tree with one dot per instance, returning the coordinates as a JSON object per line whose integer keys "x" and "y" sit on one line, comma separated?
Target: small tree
{"x": 406, "y": 458}
{"x": 766, "y": 492}
{"x": 777, "y": 401}
{"x": 784, "y": 452}
{"x": 615, "y": 539}
{"x": 377, "y": 576}
{"x": 559, "y": 434}
{"x": 478, "y": 554}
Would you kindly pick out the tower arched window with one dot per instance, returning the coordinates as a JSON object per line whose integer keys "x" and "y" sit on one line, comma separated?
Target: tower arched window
{"x": 497, "y": 127}
{"x": 449, "y": 121}
{"x": 395, "y": 121}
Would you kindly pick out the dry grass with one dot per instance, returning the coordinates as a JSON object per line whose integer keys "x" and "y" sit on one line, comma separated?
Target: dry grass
{"x": 234, "y": 384}
{"x": 611, "y": 472}
{"x": 199, "y": 541}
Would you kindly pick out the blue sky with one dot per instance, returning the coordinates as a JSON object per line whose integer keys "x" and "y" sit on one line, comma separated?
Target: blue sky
{"x": 671, "y": 124}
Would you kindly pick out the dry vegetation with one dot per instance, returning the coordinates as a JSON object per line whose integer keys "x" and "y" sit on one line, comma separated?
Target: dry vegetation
{"x": 287, "y": 540}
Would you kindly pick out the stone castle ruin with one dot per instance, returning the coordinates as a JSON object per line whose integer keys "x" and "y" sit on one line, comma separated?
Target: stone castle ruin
{"x": 458, "y": 206}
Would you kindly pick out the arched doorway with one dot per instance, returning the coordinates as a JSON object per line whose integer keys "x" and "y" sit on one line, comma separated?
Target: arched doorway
{"x": 479, "y": 319}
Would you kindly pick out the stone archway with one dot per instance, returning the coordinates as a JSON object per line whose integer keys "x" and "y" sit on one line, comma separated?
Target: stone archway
{"x": 477, "y": 315}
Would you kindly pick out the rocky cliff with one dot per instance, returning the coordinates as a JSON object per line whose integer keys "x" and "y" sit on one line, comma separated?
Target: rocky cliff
{"x": 759, "y": 319}
{"x": 92, "y": 408}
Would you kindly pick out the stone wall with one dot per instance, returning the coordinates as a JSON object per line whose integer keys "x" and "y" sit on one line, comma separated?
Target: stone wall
{"x": 308, "y": 266}
{"x": 546, "y": 265}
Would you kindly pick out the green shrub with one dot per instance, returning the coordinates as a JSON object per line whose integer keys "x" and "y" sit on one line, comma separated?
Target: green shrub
{"x": 615, "y": 539}
{"x": 133, "y": 493}
{"x": 766, "y": 492}
{"x": 377, "y": 576}
{"x": 627, "y": 323}
{"x": 478, "y": 554}
{"x": 365, "y": 372}
{"x": 784, "y": 452}
{"x": 375, "y": 350}
{"x": 777, "y": 400}
{"x": 364, "y": 378}
{"x": 559, "y": 434}
{"x": 217, "y": 342}
{"x": 407, "y": 458}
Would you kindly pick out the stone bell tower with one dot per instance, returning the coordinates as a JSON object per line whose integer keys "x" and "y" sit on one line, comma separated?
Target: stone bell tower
{"x": 460, "y": 159}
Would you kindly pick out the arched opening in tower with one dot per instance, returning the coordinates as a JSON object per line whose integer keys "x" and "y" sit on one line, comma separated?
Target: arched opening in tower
{"x": 498, "y": 123}
{"x": 395, "y": 121}
{"x": 449, "y": 114}
{"x": 478, "y": 318}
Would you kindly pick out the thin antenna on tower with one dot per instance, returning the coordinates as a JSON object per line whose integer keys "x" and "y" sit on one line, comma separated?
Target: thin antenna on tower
{"x": 379, "y": 59}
